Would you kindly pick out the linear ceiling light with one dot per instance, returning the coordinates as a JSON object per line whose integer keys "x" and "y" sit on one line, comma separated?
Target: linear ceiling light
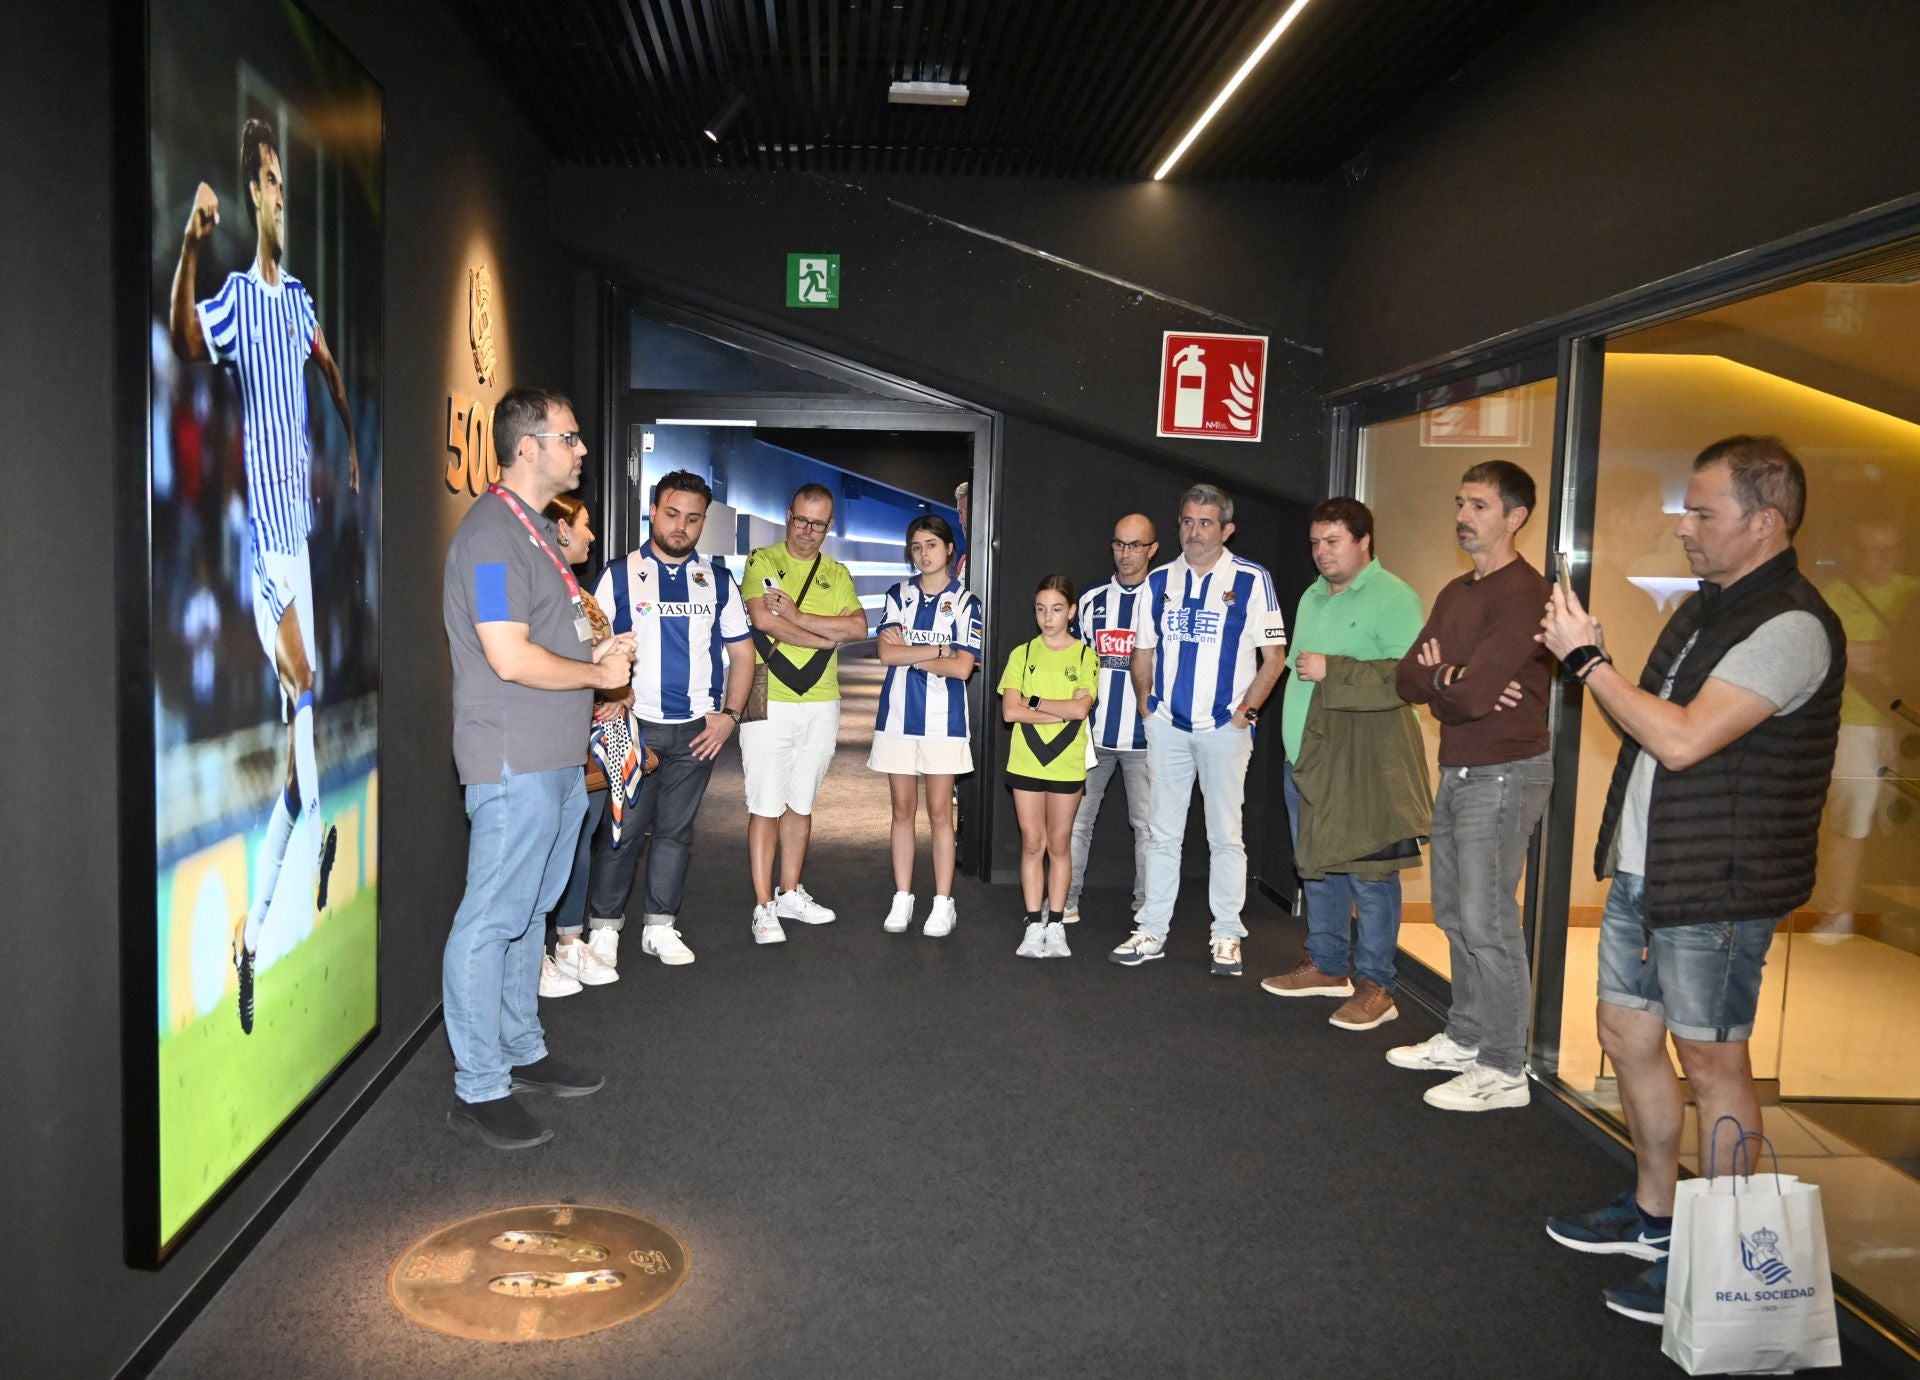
{"x": 1233, "y": 84}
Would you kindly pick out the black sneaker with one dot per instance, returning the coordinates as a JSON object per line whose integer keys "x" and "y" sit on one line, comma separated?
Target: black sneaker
{"x": 502, "y": 1123}
{"x": 1644, "y": 1298}
{"x": 548, "y": 1075}
{"x": 1616, "y": 1229}
{"x": 243, "y": 962}
{"x": 327, "y": 850}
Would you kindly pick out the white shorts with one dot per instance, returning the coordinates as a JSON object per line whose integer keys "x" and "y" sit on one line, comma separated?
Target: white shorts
{"x": 898, "y": 755}
{"x": 786, "y": 755}
{"x": 281, "y": 582}
{"x": 1855, "y": 797}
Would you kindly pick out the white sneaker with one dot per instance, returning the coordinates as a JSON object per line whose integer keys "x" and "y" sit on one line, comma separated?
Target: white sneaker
{"x": 576, "y": 961}
{"x": 1034, "y": 943}
{"x": 940, "y": 918}
{"x": 1056, "y": 940}
{"x": 901, "y": 914}
{"x": 1140, "y": 947}
{"x": 553, "y": 982}
{"x": 1070, "y": 916}
{"x": 766, "y": 925}
{"x": 663, "y": 942}
{"x": 1479, "y": 1089}
{"x": 798, "y": 905}
{"x": 1436, "y": 1053}
{"x": 605, "y": 944}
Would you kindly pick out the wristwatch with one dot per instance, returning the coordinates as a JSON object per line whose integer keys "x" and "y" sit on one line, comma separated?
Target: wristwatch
{"x": 1250, "y": 714}
{"x": 1033, "y": 701}
{"x": 730, "y": 712}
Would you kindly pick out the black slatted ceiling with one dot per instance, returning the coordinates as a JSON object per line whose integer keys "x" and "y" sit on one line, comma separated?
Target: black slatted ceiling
{"x": 1092, "y": 88}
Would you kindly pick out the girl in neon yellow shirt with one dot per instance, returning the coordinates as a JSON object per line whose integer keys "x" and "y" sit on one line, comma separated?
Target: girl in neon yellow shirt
{"x": 1046, "y": 693}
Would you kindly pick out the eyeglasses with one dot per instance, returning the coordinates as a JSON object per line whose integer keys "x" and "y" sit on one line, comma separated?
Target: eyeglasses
{"x": 569, "y": 439}
{"x": 810, "y": 524}
{"x": 1129, "y": 546}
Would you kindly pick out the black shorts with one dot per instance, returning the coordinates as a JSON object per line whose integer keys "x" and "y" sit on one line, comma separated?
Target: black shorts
{"x": 1017, "y": 782}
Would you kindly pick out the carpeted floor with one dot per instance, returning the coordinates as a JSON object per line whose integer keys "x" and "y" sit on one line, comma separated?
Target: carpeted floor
{"x": 891, "y": 1155}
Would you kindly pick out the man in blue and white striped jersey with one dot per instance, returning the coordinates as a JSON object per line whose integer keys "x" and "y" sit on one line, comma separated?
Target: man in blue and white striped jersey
{"x": 262, "y": 327}
{"x": 692, "y": 673}
{"x": 1206, "y": 619}
{"x": 1106, "y": 619}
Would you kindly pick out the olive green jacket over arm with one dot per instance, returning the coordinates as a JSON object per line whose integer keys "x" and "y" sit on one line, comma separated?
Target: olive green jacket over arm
{"x": 1362, "y": 774}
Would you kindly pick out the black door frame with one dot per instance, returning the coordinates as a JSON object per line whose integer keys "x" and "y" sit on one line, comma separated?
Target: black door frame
{"x": 874, "y": 401}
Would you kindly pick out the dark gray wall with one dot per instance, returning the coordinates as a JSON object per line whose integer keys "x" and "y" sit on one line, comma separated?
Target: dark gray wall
{"x": 979, "y": 318}
{"x": 1613, "y": 146}
{"x": 465, "y": 183}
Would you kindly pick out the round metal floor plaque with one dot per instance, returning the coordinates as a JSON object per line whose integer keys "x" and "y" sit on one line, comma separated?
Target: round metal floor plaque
{"x": 535, "y": 1274}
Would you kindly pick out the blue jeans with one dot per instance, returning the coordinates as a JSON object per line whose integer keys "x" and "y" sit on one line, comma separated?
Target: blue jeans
{"x": 1176, "y": 759}
{"x": 570, "y": 916}
{"x": 669, "y": 799}
{"x": 1703, "y": 980}
{"x": 1483, "y": 820}
{"x": 1331, "y": 903}
{"x": 518, "y": 854}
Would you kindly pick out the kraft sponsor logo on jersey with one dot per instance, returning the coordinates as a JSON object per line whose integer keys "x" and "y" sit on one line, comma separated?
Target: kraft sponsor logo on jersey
{"x": 1114, "y": 647}
{"x": 1192, "y": 625}
{"x": 672, "y": 610}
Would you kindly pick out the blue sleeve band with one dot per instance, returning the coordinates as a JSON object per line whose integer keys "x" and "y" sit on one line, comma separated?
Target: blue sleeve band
{"x": 490, "y": 593}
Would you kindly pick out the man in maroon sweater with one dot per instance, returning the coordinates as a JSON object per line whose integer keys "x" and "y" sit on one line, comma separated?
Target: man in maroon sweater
{"x": 1479, "y": 671}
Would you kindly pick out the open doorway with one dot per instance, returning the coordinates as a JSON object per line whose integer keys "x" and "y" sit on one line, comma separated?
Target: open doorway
{"x": 757, "y": 419}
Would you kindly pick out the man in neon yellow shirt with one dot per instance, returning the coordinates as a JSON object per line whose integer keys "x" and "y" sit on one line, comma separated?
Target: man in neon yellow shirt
{"x": 1361, "y": 611}
{"x": 802, "y": 605}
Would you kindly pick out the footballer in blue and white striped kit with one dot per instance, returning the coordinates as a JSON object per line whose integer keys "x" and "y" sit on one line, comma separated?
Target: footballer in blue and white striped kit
{"x": 1211, "y": 645}
{"x": 262, "y": 328}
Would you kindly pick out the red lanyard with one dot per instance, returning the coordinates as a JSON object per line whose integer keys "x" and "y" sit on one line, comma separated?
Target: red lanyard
{"x": 566, "y": 572}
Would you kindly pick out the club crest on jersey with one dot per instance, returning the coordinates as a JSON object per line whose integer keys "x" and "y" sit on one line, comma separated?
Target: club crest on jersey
{"x": 946, "y": 607}
{"x": 1226, "y": 596}
{"x": 1072, "y": 674}
{"x": 700, "y": 578}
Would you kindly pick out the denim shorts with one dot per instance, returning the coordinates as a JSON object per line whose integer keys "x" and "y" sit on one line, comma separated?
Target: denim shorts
{"x": 1704, "y": 980}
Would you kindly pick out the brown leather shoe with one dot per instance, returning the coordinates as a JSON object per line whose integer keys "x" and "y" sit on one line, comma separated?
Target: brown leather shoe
{"x": 1370, "y": 1005}
{"x": 1306, "y": 980}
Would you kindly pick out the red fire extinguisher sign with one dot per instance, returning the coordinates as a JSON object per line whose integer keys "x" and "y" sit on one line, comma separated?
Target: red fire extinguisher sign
{"x": 1214, "y": 386}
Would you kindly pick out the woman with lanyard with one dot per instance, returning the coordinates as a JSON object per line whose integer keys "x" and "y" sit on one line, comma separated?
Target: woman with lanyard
{"x": 1046, "y": 693}
{"x": 929, "y": 641}
{"x": 576, "y": 962}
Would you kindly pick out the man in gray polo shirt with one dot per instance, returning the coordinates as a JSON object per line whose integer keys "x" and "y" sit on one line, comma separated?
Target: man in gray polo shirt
{"x": 524, "y": 672}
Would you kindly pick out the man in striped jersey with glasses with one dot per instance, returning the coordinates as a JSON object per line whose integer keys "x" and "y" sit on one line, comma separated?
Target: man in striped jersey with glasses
{"x": 262, "y": 327}
{"x": 1105, "y": 617}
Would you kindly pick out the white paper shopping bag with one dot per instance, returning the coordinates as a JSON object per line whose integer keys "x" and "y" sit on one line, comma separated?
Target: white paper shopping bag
{"x": 1749, "y": 1287}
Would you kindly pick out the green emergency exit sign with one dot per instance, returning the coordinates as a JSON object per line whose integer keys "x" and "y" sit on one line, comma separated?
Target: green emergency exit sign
{"x": 813, "y": 280}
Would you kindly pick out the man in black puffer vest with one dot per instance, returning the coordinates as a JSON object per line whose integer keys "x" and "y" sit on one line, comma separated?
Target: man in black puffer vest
{"x": 1710, "y": 828}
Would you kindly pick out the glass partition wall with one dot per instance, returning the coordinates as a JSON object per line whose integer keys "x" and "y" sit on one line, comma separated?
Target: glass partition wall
{"x": 1830, "y": 362}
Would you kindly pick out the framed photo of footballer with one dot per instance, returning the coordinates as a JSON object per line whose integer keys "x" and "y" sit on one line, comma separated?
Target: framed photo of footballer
{"x": 252, "y": 960}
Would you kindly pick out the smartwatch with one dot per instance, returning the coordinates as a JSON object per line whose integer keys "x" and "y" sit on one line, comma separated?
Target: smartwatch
{"x": 1581, "y": 661}
{"x": 1033, "y": 701}
{"x": 1250, "y": 714}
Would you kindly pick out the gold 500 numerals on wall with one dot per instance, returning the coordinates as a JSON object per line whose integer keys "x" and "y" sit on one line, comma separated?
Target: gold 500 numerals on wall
{"x": 530, "y": 1274}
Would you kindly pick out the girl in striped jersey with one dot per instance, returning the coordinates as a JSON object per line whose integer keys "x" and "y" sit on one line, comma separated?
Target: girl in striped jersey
{"x": 929, "y": 641}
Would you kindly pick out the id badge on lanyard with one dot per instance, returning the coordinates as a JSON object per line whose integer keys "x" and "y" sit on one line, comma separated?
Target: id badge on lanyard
{"x": 582, "y": 627}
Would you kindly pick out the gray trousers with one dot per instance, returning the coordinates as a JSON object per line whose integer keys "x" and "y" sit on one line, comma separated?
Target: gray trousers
{"x": 1483, "y": 818}
{"x": 1133, "y": 766}
{"x": 669, "y": 800}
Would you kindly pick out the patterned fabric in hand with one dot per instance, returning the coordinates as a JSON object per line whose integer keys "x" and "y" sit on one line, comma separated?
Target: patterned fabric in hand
{"x": 620, "y": 747}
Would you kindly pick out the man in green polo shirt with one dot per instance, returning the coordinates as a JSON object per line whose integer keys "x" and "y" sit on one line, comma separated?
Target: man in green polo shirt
{"x": 1363, "y": 618}
{"x": 802, "y": 605}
